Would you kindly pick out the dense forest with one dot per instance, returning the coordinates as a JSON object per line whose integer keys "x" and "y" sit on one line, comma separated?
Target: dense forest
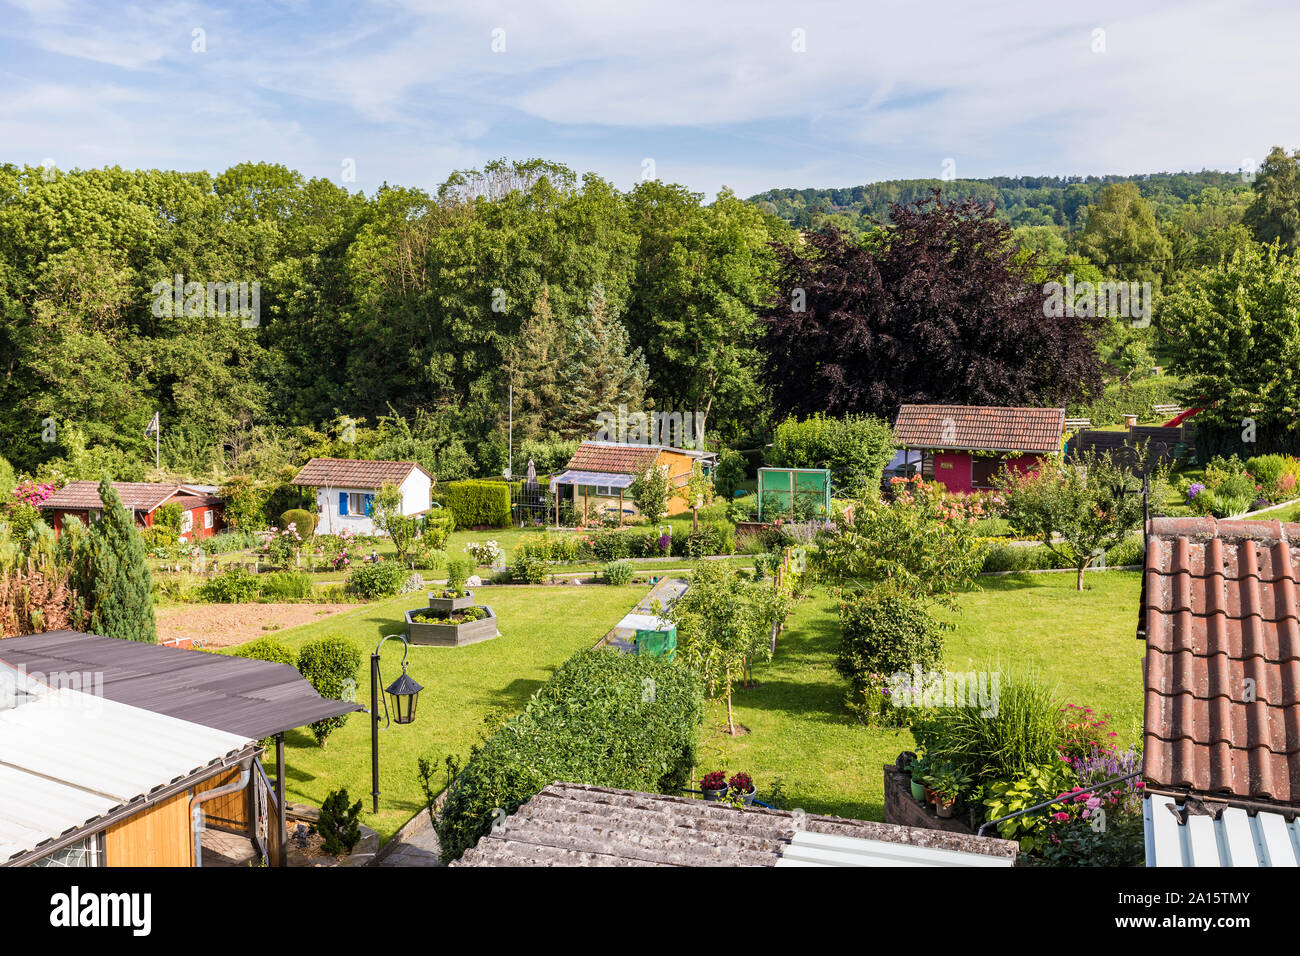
{"x": 396, "y": 324}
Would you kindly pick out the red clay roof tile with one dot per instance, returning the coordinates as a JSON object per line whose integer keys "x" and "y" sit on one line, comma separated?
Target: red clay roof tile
{"x": 980, "y": 428}
{"x": 612, "y": 458}
{"x": 353, "y": 473}
{"x": 136, "y": 495}
{"x": 1222, "y": 671}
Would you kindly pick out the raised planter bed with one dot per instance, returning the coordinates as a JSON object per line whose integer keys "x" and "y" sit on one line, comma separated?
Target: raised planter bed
{"x": 451, "y": 635}
{"x": 450, "y": 604}
{"x": 901, "y": 808}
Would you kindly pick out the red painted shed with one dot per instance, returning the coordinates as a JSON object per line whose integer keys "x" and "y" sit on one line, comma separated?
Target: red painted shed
{"x": 963, "y": 447}
{"x": 203, "y": 511}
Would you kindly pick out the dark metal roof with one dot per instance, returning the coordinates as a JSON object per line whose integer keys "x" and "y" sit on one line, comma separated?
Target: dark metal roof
{"x": 255, "y": 699}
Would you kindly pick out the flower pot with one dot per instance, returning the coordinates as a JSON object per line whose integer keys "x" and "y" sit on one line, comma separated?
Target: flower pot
{"x": 929, "y": 796}
{"x": 440, "y": 603}
{"x": 918, "y": 791}
{"x": 943, "y": 808}
{"x": 714, "y": 795}
{"x": 747, "y": 798}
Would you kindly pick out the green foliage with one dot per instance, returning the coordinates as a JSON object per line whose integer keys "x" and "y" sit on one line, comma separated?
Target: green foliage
{"x": 8, "y": 480}
{"x": 379, "y": 579}
{"x": 235, "y": 585}
{"x": 528, "y": 567}
{"x": 267, "y": 649}
{"x": 1233, "y": 332}
{"x": 458, "y": 571}
{"x": 617, "y": 573}
{"x": 911, "y": 544}
{"x": 604, "y": 718}
{"x": 1026, "y": 730}
{"x": 1136, "y": 397}
{"x": 111, "y": 575}
{"x": 855, "y": 448}
{"x": 401, "y": 529}
{"x": 604, "y": 370}
{"x": 245, "y": 503}
{"x": 1075, "y": 509}
{"x": 1025, "y": 788}
{"x": 338, "y": 823}
{"x": 729, "y": 473}
{"x": 650, "y": 493}
{"x": 883, "y": 634}
{"x": 476, "y": 504}
{"x": 304, "y": 522}
{"x": 285, "y": 586}
{"x": 1122, "y": 232}
{"x": 1274, "y": 212}
{"x": 330, "y": 665}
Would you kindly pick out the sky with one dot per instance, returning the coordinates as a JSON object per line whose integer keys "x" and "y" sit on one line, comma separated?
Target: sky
{"x": 748, "y": 96}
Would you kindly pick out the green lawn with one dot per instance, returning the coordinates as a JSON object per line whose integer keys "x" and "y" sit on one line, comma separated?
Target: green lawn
{"x": 1083, "y": 644}
{"x": 1289, "y": 513}
{"x": 540, "y": 628}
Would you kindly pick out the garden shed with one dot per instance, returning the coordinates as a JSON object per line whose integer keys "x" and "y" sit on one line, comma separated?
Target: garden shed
{"x": 964, "y": 447}
{"x": 793, "y": 493}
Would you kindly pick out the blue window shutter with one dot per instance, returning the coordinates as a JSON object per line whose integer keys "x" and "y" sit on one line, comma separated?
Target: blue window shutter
{"x": 343, "y": 502}
{"x": 369, "y": 498}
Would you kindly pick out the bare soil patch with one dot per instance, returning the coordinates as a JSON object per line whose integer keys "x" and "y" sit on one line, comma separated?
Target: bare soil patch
{"x": 225, "y": 625}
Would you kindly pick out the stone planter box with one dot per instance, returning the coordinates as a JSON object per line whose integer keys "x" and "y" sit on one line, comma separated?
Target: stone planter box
{"x": 450, "y": 604}
{"x": 451, "y": 635}
{"x": 901, "y": 808}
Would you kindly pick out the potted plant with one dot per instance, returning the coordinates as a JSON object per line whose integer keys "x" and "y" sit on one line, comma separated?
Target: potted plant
{"x": 919, "y": 769}
{"x": 743, "y": 787}
{"x": 714, "y": 785}
{"x": 948, "y": 786}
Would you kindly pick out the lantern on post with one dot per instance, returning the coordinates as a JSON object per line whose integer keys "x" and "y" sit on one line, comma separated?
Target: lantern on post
{"x": 405, "y": 692}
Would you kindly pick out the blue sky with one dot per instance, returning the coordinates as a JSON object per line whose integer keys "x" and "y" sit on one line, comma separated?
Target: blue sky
{"x": 748, "y": 95}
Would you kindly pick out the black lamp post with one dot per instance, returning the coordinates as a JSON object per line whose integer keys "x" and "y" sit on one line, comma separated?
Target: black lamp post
{"x": 404, "y": 691}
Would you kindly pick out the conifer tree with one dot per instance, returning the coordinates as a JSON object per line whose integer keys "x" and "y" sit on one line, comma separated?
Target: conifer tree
{"x": 534, "y": 362}
{"x": 112, "y": 577}
{"x": 603, "y": 371}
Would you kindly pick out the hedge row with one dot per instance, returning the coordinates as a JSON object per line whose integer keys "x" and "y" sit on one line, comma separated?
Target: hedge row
{"x": 604, "y": 718}
{"x": 1002, "y": 556}
{"x": 483, "y": 504}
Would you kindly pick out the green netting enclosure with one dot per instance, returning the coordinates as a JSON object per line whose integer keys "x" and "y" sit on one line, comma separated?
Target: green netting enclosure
{"x": 799, "y": 493}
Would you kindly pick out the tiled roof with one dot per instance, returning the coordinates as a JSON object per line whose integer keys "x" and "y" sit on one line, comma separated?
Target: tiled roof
{"x": 1222, "y": 668}
{"x": 354, "y": 473}
{"x": 980, "y": 428}
{"x": 613, "y": 458}
{"x": 136, "y": 495}
{"x": 576, "y": 825}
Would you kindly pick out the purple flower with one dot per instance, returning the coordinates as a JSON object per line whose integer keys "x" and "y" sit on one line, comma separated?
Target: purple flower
{"x": 1195, "y": 489}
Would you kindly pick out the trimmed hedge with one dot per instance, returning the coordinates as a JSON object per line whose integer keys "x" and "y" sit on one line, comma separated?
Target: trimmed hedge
{"x": 604, "y": 718}
{"x": 330, "y": 664}
{"x": 479, "y": 503}
{"x": 267, "y": 649}
{"x": 303, "y": 521}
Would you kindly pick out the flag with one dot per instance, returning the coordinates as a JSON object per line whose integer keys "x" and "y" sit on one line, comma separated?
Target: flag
{"x": 152, "y": 427}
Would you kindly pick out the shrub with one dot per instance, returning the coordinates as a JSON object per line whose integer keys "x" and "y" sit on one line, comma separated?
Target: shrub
{"x": 330, "y": 665}
{"x": 711, "y": 538}
{"x": 458, "y": 572}
{"x": 617, "y": 572}
{"x": 235, "y": 585}
{"x": 377, "y": 580}
{"x": 1026, "y": 730}
{"x": 286, "y": 586}
{"x": 304, "y": 522}
{"x": 1268, "y": 471}
{"x": 593, "y": 722}
{"x": 528, "y": 568}
{"x": 650, "y": 493}
{"x": 1001, "y": 556}
{"x": 267, "y": 649}
{"x": 729, "y": 473}
{"x": 436, "y": 530}
{"x": 110, "y": 574}
{"x": 479, "y": 503}
{"x": 1127, "y": 552}
{"x": 612, "y": 545}
{"x": 338, "y": 823}
{"x": 882, "y": 634}
{"x": 855, "y": 448}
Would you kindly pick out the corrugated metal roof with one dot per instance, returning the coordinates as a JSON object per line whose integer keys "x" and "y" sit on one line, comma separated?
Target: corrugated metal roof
{"x": 602, "y": 478}
{"x": 68, "y": 758}
{"x": 1219, "y": 611}
{"x": 1231, "y": 837}
{"x": 980, "y": 428}
{"x": 825, "y": 849}
{"x": 252, "y": 698}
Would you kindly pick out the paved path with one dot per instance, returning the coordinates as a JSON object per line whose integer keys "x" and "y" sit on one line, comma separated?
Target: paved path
{"x": 416, "y": 844}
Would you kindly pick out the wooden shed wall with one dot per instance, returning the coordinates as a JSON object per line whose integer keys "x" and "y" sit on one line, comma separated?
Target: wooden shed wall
{"x": 158, "y": 836}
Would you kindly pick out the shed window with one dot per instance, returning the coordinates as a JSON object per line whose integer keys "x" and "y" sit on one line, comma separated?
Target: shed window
{"x": 207, "y": 519}
{"x": 359, "y": 503}
{"x": 984, "y": 471}
{"x": 187, "y": 522}
{"x": 86, "y": 853}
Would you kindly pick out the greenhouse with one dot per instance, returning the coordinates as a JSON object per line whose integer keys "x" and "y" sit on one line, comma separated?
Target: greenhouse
{"x": 796, "y": 493}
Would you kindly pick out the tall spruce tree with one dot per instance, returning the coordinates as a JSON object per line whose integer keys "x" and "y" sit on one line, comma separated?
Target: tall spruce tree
{"x": 603, "y": 371}
{"x": 112, "y": 577}
{"x": 534, "y": 362}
